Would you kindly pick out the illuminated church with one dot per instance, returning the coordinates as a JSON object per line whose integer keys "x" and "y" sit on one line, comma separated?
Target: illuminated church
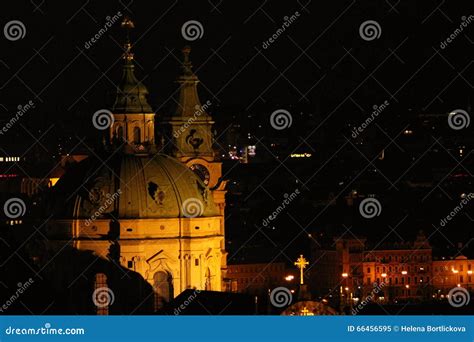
{"x": 154, "y": 201}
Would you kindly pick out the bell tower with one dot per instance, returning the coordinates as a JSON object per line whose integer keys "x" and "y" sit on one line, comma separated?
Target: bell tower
{"x": 133, "y": 125}
{"x": 186, "y": 134}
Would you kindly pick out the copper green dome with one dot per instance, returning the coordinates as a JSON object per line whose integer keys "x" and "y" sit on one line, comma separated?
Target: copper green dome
{"x": 131, "y": 186}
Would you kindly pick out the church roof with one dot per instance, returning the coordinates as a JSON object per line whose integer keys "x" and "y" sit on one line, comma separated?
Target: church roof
{"x": 131, "y": 186}
{"x": 131, "y": 94}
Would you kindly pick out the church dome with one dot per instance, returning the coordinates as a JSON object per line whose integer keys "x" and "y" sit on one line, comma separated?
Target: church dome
{"x": 131, "y": 186}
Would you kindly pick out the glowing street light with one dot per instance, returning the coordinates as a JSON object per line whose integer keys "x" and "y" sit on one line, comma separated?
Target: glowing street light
{"x": 289, "y": 277}
{"x": 345, "y": 275}
{"x": 404, "y": 272}
{"x": 384, "y": 275}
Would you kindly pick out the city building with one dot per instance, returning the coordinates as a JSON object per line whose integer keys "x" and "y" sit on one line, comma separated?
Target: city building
{"x": 451, "y": 273}
{"x": 351, "y": 269}
{"x": 260, "y": 277}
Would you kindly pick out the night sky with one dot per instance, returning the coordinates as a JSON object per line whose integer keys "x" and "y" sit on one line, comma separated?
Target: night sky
{"x": 320, "y": 62}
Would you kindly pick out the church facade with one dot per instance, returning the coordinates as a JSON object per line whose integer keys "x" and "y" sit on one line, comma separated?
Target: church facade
{"x": 153, "y": 202}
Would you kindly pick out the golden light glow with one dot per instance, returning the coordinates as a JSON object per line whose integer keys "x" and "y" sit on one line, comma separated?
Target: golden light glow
{"x": 53, "y": 181}
{"x": 345, "y": 275}
{"x": 301, "y": 264}
{"x": 404, "y": 272}
{"x": 289, "y": 277}
{"x": 300, "y": 155}
{"x": 384, "y": 275}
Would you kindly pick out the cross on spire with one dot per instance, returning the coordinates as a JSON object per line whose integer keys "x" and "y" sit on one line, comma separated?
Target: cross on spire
{"x": 301, "y": 263}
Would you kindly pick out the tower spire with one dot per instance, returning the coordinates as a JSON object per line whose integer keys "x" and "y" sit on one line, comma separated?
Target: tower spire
{"x": 131, "y": 94}
{"x": 188, "y": 102}
{"x": 134, "y": 120}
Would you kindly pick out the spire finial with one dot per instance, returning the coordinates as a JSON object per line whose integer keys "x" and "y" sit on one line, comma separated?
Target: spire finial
{"x": 187, "y": 65}
{"x": 127, "y": 24}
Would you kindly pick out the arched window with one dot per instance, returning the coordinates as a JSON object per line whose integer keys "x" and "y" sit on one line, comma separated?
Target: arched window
{"x": 208, "y": 286}
{"x": 163, "y": 287}
{"x": 136, "y": 135}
